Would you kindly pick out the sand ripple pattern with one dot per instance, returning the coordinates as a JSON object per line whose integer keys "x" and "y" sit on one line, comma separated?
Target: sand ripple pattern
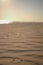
{"x": 21, "y": 44}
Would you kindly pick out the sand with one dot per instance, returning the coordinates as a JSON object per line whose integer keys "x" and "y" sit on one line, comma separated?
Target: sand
{"x": 21, "y": 44}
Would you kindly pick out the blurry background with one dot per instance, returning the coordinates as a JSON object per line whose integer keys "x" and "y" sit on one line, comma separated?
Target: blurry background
{"x": 21, "y": 10}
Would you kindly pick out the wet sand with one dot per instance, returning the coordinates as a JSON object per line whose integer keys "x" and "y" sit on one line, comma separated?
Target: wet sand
{"x": 21, "y": 44}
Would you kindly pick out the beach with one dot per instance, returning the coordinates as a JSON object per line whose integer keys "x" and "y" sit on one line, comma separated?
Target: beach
{"x": 21, "y": 44}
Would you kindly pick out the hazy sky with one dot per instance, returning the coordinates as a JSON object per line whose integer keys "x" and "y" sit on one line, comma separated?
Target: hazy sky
{"x": 21, "y": 10}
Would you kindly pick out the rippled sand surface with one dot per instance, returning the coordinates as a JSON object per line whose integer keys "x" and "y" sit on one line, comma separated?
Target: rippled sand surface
{"x": 21, "y": 44}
